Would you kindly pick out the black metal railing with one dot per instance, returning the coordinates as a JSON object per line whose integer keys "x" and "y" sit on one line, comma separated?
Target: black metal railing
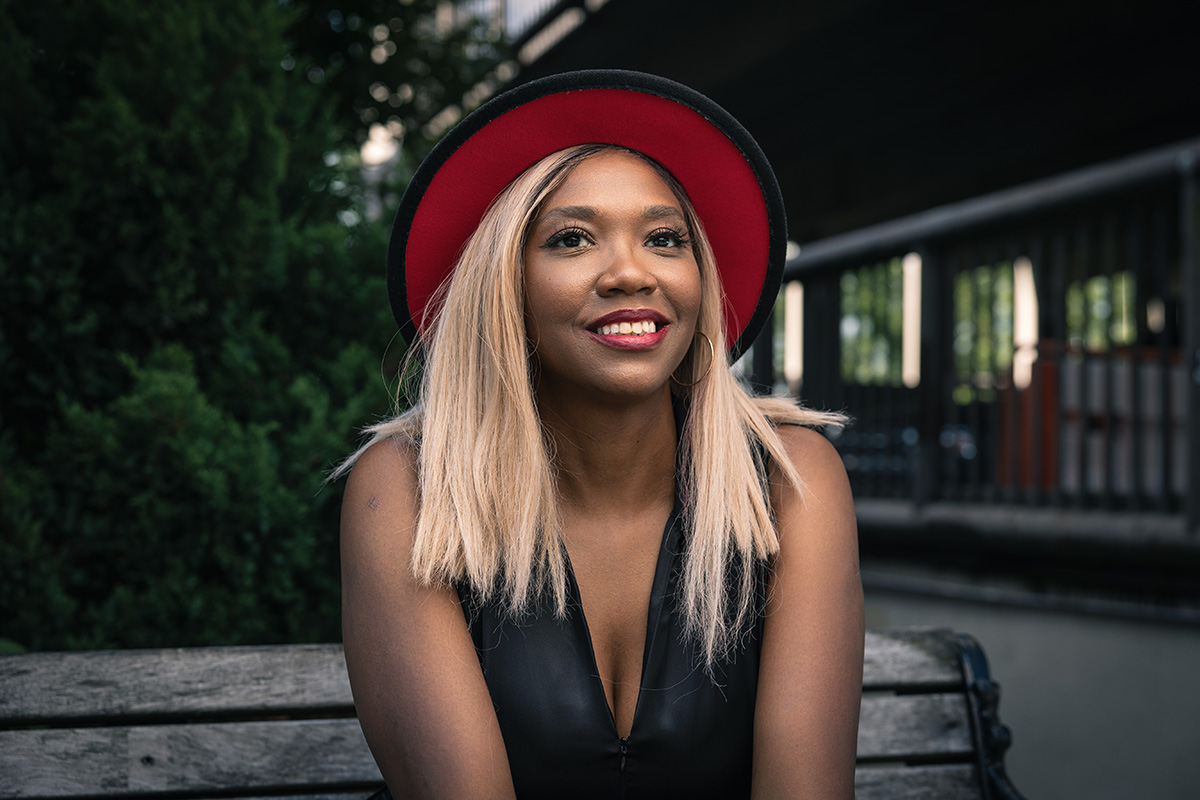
{"x": 531, "y": 27}
{"x": 1038, "y": 347}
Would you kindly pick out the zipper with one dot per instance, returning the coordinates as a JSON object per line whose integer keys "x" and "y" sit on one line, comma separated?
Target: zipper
{"x": 624, "y": 752}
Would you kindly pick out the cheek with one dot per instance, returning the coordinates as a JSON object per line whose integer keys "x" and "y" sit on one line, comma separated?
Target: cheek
{"x": 542, "y": 296}
{"x": 547, "y": 301}
{"x": 690, "y": 292}
{"x": 555, "y": 292}
{"x": 531, "y": 312}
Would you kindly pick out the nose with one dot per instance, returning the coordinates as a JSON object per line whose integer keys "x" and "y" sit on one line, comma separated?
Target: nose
{"x": 628, "y": 271}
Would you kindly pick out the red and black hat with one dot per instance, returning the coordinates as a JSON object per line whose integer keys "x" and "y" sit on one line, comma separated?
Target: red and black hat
{"x": 718, "y": 163}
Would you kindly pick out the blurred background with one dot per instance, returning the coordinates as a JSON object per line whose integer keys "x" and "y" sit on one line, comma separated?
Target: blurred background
{"x": 995, "y": 221}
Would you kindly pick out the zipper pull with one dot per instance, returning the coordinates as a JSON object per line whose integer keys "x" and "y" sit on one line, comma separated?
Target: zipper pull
{"x": 624, "y": 751}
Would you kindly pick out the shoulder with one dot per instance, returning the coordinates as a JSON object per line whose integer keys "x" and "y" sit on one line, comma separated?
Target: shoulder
{"x": 809, "y": 448}
{"x": 394, "y": 456}
{"x": 817, "y": 464}
{"x": 381, "y": 498}
{"x": 385, "y": 471}
{"x": 800, "y": 455}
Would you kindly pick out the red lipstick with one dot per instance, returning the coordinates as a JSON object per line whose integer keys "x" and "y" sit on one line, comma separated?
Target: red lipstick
{"x": 630, "y": 341}
{"x": 628, "y": 315}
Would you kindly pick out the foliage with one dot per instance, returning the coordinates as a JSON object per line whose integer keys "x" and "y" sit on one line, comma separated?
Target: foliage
{"x": 399, "y": 63}
{"x": 872, "y": 324}
{"x": 192, "y": 319}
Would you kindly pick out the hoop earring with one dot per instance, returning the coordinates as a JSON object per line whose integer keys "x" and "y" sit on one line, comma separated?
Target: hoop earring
{"x": 712, "y": 355}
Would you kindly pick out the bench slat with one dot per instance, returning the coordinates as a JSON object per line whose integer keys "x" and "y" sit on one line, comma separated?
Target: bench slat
{"x": 938, "y": 782}
{"x": 247, "y": 757}
{"x": 910, "y": 659}
{"x": 310, "y": 678}
{"x": 278, "y": 755}
{"x": 935, "y": 782}
{"x": 928, "y": 727}
{"x": 361, "y": 794}
{"x": 37, "y": 687}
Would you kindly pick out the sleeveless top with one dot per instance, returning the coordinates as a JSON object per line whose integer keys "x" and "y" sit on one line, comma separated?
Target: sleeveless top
{"x": 692, "y": 731}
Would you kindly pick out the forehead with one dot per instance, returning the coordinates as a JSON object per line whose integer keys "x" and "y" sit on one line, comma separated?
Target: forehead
{"x": 613, "y": 176}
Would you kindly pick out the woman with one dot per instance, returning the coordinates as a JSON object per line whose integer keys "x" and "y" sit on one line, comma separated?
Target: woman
{"x": 586, "y": 563}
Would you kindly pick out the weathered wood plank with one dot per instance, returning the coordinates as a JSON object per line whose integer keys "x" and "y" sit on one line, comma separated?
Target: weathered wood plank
{"x": 934, "y": 726}
{"x": 359, "y": 794}
{"x": 281, "y": 755}
{"x": 36, "y": 687}
{"x": 219, "y": 757}
{"x": 938, "y": 782}
{"x": 911, "y": 658}
{"x": 263, "y": 756}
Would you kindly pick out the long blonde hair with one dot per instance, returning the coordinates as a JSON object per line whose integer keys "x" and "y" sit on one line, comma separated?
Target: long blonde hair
{"x": 488, "y": 504}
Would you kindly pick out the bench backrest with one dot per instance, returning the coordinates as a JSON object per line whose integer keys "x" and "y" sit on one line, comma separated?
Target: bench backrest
{"x": 255, "y": 721}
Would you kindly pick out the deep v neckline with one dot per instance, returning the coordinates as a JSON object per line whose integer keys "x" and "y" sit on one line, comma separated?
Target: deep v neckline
{"x": 659, "y": 590}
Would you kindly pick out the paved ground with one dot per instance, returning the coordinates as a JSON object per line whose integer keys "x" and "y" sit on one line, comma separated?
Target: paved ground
{"x": 1100, "y": 708}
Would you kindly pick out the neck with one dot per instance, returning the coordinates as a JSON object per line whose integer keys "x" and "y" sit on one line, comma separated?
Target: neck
{"x": 613, "y": 455}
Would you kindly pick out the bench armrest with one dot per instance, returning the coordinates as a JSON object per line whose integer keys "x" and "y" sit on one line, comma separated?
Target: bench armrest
{"x": 992, "y": 737}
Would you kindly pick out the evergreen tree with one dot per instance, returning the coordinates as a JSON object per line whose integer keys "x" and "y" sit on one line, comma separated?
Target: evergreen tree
{"x": 192, "y": 323}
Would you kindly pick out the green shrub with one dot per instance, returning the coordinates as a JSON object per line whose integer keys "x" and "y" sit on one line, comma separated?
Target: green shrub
{"x": 189, "y": 336}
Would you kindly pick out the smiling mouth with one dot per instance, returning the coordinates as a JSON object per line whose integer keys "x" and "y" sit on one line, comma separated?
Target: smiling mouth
{"x": 627, "y": 328}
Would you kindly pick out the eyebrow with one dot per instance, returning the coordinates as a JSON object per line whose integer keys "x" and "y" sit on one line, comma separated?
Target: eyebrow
{"x": 588, "y": 213}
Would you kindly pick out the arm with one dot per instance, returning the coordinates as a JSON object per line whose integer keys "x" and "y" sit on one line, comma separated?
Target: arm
{"x": 810, "y": 681}
{"x": 418, "y": 688}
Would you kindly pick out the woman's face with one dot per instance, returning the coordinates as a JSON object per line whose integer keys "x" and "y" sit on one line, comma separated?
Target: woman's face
{"x": 612, "y": 289}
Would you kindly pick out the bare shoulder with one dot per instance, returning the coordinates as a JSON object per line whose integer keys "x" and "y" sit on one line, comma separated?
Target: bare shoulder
{"x": 381, "y": 491}
{"x": 385, "y": 473}
{"x": 815, "y": 521}
{"x": 379, "y": 519}
{"x": 809, "y": 447}
{"x": 821, "y": 471}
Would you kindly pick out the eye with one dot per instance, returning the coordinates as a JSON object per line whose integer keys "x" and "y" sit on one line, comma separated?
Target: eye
{"x": 667, "y": 237}
{"x": 568, "y": 238}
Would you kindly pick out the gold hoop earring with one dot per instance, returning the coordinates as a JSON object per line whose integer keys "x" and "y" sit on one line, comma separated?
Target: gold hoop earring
{"x": 712, "y": 355}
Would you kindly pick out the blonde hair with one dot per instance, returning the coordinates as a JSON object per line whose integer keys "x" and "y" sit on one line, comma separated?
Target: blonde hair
{"x": 488, "y": 505}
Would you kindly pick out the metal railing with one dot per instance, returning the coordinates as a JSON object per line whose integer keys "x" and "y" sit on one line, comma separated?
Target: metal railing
{"x": 531, "y": 26}
{"x": 513, "y": 17}
{"x": 1038, "y": 347}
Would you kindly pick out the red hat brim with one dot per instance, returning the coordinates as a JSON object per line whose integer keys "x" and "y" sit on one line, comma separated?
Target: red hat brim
{"x": 718, "y": 164}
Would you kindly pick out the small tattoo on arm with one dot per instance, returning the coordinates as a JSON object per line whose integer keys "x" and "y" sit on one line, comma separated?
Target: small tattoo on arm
{"x": 373, "y": 503}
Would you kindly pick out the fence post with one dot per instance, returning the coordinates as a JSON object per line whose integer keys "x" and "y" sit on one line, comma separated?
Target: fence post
{"x": 1189, "y": 233}
{"x": 823, "y": 343}
{"x": 931, "y": 389}
{"x": 762, "y": 359}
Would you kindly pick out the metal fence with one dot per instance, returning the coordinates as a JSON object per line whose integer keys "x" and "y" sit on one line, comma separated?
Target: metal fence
{"x": 516, "y": 18}
{"x": 531, "y": 26}
{"x": 1039, "y": 347}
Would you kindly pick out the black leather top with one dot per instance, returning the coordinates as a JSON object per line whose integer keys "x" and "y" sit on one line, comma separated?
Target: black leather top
{"x": 691, "y": 734}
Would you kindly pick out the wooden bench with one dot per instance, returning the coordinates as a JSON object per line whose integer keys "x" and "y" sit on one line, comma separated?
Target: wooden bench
{"x": 241, "y": 722}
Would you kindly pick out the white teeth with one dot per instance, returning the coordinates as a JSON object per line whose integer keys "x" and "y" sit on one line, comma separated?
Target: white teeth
{"x": 628, "y": 328}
